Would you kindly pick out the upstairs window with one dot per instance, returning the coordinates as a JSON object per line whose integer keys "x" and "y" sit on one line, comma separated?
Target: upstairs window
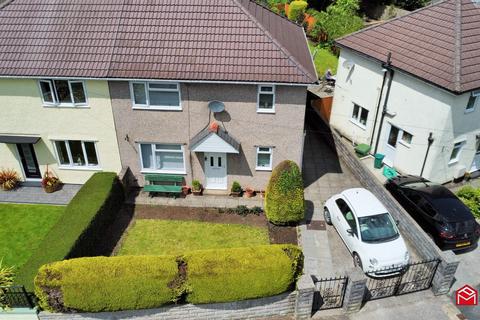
{"x": 472, "y": 101}
{"x": 70, "y": 93}
{"x": 266, "y": 99}
{"x": 457, "y": 148}
{"x": 156, "y": 95}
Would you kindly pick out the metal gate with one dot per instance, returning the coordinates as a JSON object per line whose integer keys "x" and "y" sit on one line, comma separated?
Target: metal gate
{"x": 416, "y": 277}
{"x": 329, "y": 293}
{"x": 17, "y": 297}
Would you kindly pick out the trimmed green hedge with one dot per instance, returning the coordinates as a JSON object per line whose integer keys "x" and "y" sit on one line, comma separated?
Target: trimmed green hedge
{"x": 284, "y": 198}
{"x": 106, "y": 284}
{"x": 240, "y": 273}
{"x": 138, "y": 282}
{"x": 77, "y": 231}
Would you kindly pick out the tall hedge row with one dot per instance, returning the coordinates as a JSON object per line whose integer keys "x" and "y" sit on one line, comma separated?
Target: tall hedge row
{"x": 138, "y": 282}
{"x": 79, "y": 228}
{"x": 284, "y": 197}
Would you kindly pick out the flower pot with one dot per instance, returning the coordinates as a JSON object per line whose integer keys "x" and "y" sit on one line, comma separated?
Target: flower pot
{"x": 262, "y": 194}
{"x": 249, "y": 193}
{"x": 52, "y": 188}
{"x": 197, "y": 192}
{"x": 185, "y": 190}
{"x": 236, "y": 194}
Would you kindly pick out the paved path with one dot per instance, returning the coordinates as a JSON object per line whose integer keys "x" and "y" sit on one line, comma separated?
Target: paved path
{"x": 324, "y": 175}
{"x": 36, "y": 194}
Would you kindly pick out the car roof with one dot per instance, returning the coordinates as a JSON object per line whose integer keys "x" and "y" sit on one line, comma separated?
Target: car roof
{"x": 363, "y": 202}
{"x": 443, "y": 200}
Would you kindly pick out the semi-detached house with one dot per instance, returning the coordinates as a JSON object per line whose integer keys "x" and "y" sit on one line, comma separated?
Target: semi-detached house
{"x": 421, "y": 107}
{"x": 212, "y": 90}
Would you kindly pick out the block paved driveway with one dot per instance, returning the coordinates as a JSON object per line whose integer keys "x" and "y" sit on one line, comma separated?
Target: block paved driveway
{"x": 324, "y": 175}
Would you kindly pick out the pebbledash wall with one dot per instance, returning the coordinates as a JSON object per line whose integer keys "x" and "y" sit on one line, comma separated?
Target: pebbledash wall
{"x": 283, "y": 130}
{"x": 414, "y": 106}
{"x": 22, "y": 113}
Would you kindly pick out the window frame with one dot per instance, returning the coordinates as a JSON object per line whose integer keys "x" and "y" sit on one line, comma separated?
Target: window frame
{"x": 270, "y": 152}
{"x": 273, "y": 93}
{"x": 154, "y": 149}
{"x": 474, "y": 94}
{"x": 147, "y": 105}
{"x": 404, "y": 142}
{"x": 459, "y": 153}
{"x": 356, "y": 121}
{"x": 56, "y": 102}
{"x": 70, "y": 158}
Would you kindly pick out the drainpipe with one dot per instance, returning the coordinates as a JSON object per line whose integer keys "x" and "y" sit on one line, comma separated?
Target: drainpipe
{"x": 388, "y": 67}
{"x": 430, "y": 142}
{"x": 378, "y": 104}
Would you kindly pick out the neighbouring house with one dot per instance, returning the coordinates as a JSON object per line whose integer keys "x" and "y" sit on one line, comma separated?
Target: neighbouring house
{"x": 420, "y": 107}
{"x": 213, "y": 90}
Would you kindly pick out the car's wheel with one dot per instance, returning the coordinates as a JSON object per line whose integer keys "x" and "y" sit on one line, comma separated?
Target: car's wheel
{"x": 326, "y": 216}
{"x": 357, "y": 261}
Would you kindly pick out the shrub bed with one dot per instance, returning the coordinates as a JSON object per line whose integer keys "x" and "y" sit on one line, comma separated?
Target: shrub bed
{"x": 471, "y": 197}
{"x": 80, "y": 226}
{"x": 138, "y": 282}
{"x": 284, "y": 198}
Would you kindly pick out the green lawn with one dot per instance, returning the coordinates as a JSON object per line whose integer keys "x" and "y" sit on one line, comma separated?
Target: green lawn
{"x": 157, "y": 237}
{"x": 22, "y": 228}
{"x": 323, "y": 60}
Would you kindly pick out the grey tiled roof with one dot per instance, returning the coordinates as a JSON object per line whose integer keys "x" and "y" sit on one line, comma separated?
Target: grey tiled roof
{"x": 215, "y": 40}
{"x": 221, "y": 133}
{"x": 439, "y": 43}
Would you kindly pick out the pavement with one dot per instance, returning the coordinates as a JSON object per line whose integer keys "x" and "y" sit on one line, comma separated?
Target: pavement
{"x": 34, "y": 193}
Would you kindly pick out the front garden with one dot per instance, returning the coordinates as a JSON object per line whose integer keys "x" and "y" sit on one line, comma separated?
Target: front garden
{"x": 22, "y": 228}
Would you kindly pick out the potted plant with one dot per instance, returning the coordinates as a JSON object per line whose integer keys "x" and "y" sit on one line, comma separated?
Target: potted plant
{"x": 50, "y": 182}
{"x": 9, "y": 179}
{"x": 249, "y": 192}
{"x": 236, "y": 189}
{"x": 197, "y": 188}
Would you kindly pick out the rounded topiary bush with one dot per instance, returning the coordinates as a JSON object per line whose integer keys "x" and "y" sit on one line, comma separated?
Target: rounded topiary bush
{"x": 284, "y": 199}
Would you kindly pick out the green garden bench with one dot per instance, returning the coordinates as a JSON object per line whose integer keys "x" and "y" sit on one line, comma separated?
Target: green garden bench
{"x": 163, "y": 183}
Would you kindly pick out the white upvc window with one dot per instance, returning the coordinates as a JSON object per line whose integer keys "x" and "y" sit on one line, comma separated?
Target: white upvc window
{"x": 264, "y": 158}
{"x": 359, "y": 115}
{"x": 266, "y": 99}
{"x": 406, "y": 137}
{"x": 162, "y": 158}
{"x": 473, "y": 101}
{"x": 76, "y": 154}
{"x": 456, "y": 152}
{"x": 155, "y": 95}
{"x": 63, "y": 93}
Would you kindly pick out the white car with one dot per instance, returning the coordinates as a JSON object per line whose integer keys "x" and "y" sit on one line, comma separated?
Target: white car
{"x": 369, "y": 232}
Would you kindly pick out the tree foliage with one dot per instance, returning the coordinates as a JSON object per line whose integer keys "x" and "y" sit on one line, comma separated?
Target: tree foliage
{"x": 7, "y": 275}
{"x": 296, "y": 10}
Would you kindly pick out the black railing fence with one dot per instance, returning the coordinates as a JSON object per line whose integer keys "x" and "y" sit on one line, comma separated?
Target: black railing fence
{"x": 18, "y": 297}
{"x": 329, "y": 293}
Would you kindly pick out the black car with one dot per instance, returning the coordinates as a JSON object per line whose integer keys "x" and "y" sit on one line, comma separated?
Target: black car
{"x": 437, "y": 210}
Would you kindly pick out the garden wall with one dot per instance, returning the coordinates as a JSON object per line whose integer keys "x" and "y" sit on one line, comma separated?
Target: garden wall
{"x": 280, "y": 305}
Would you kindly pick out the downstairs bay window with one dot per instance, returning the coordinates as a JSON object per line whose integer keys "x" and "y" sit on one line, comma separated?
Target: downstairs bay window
{"x": 162, "y": 158}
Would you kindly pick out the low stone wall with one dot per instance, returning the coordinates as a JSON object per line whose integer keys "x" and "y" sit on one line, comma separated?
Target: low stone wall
{"x": 280, "y": 305}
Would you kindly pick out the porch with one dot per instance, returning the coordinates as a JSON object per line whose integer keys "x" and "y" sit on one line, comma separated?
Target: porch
{"x": 32, "y": 192}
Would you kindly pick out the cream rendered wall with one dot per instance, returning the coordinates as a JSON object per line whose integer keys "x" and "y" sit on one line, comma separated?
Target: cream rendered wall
{"x": 414, "y": 106}
{"x": 22, "y": 113}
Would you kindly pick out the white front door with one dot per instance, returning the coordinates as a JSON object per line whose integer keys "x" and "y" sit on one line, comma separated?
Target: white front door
{"x": 390, "y": 149}
{"x": 215, "y": 170}
{"x": 476, "y": 160}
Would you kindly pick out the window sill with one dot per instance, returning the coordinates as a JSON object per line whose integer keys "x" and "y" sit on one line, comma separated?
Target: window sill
{"x": 157, "y": 108}
{"x": 469, "y": 110}
{"x": 358, "y": 124}
{"x": 454, "y": 161}
{"x": 79, "y": 168}
{"x": 263, "y": 169}
{"x": 64, "y": 106}
{"x": 405, "y": 144}
{"x": 162, "y": 171}
{"x": 266, "y": 111}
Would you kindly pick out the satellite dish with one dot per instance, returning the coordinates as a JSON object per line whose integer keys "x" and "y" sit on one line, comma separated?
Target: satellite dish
{"x": 347, "y": 64}
{"x": 216, "y": 106}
